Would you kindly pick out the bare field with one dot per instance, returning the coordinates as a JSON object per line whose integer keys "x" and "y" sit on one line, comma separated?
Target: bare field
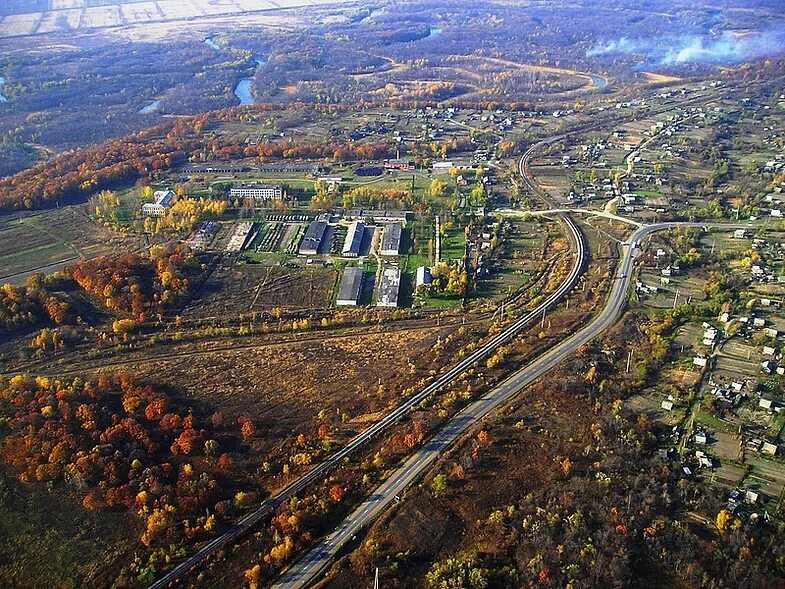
{"x": 54, "y": 238}
{"x": 78, "y": 15}
{"x": 234, "y": 289}
{"x": 284, "y": 388}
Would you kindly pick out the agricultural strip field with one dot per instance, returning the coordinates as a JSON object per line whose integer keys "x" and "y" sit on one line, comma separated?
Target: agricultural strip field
{"x": 47, "y": 241}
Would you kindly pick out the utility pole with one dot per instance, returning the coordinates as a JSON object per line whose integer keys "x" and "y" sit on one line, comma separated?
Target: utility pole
{"x": 542, "y": 325}
{"x": 629, "y": 361}
{"x": 675, "y": 298}
{"x": 376, "y": 580}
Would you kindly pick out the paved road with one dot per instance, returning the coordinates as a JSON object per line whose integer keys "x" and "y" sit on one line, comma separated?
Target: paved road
{"x": 306, "y": 570}
{"x": 587, "y": 212}
{"x": 319, "y": 471}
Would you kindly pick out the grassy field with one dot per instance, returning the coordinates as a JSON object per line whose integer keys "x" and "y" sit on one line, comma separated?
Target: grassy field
{"x": 37, "y": 241}
{"x": 78, "y": 545}
{"x": 453, "y": 244}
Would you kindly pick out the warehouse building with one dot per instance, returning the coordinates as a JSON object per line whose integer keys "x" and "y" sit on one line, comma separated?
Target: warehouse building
{"x": 391, "y": 240}
{"x": 354, "y": 240}
{"x": 389, "y": 287}
{"x": 351, "y": 287}
{"x": 378, "y": 216}
{"x": 289, "y": 168}
{"x": 215, "y": 169}
{"x": 312, "y": 241}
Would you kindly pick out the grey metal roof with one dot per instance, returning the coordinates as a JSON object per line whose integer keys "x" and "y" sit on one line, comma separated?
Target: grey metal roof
{"x": 351, "y": 285}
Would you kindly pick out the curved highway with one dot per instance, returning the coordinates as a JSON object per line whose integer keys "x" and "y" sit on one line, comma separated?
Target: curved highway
{"x": 269, "y": 506}
{"x": 305, "y": 571}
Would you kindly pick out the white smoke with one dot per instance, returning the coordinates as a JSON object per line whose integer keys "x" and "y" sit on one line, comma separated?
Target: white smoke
{"x": 727, "y": 48}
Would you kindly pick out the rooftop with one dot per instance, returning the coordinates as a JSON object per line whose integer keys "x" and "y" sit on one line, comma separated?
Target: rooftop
{"x": 354, "y": 238}
{"x": 391, "y": 239}
{"x": 351, "y": 285}
{"x": 389, "y": 287}
{"x": 313, "y": 237}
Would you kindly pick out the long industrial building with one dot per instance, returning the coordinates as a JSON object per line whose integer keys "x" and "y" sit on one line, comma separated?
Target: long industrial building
{"x": 389, "y": 287}
{"x": 312, "y": 241}
{"x": 351, "y": 287}
{"x": 391, "y": 240}
{"x": 354, "y": 240}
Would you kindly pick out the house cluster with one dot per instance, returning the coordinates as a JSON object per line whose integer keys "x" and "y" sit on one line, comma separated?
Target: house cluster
{"x": 740, "y": 501}
{"x": 709, "y": 338}
{"x": 669, "y": 272}
{"x": 163, "y": 199}
{"x": 762, "y": 446}
{"x": 750, "y": 325}
{"x": 730, "y": 395}
{"x": 646, "y": 289}
{"x": 369, "y": 129}
{"x": 775, "y": 166}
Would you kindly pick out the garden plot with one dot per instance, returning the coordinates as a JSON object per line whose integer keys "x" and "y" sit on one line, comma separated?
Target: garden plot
{"x": 724, "y": 445}
{"x": 177, "y": 9}
{"x": 47, "y": 241}
{"x": 552, "y": 178}
{"x": 682, "y": 378}
{"x": 300, "y": 288}
{"x": 213, "y": 7}
{"x": 730, "y": 474}
{"x": 65, "y": 4}
{"x": 690, "y": 289}
{"x": 737, "y": 359}
{"x": 690, "y": 335}
{"x": 767, "y": 476}
{"x": 650, "y": 403}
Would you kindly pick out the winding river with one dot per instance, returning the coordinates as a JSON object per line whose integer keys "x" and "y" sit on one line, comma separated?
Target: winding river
{"x": 434, "y": 32}
{"x": 243, "y": 89}
{"x": 598, "y": 81}
{"x": 150, "y": 108}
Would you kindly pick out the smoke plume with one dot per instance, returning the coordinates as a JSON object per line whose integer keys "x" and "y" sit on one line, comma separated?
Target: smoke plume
{"x": 727, "y": 48}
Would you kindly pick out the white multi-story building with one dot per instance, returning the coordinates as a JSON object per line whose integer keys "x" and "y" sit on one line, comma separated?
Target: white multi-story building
{"x": 258, "y": 192}
{"x": 163, "y": 200}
